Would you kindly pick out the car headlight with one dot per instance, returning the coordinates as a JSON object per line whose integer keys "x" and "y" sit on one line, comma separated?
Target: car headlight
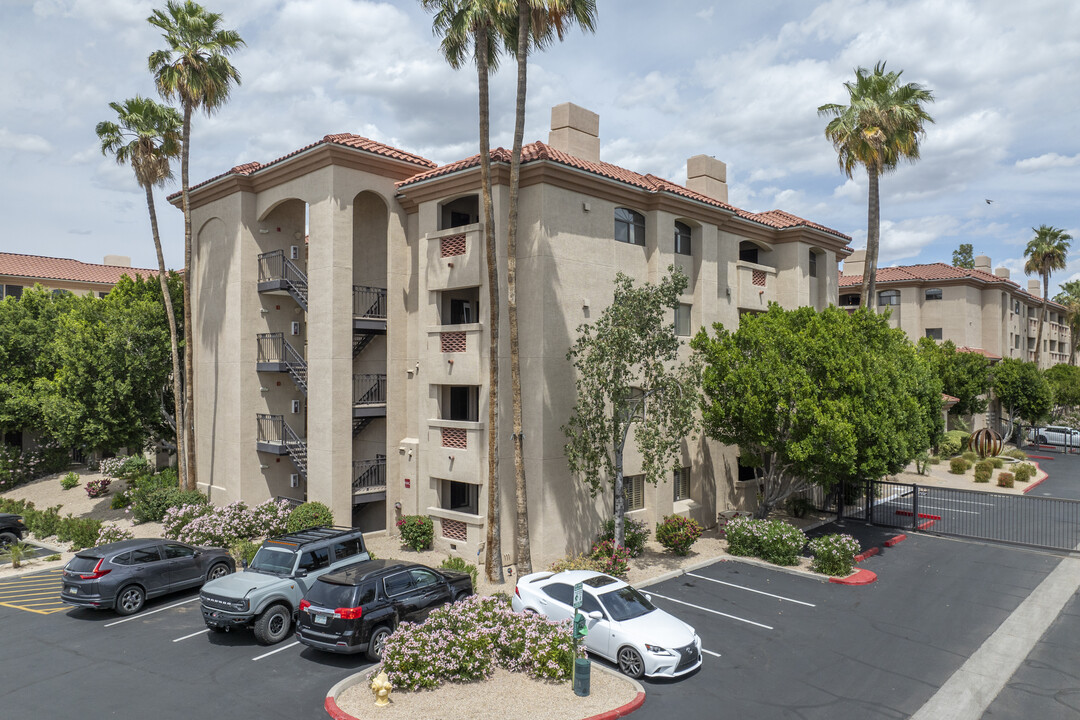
{"x": 657, "y": 650}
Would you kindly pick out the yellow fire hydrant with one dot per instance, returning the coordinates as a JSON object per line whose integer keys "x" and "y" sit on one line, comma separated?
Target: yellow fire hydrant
{"x": 381, "y": 688}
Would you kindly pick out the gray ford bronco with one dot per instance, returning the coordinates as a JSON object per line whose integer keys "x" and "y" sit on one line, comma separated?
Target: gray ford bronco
{"x": 267, "y": 594}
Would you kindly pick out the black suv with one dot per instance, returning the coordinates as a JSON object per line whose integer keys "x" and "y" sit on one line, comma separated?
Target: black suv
{"x": 12, "y": 529}
{"x": 355, "y": 608}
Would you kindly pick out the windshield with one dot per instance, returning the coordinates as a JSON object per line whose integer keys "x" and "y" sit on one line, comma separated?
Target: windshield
{"x": 275, "y": 561}
{"x": 626, "y": 603}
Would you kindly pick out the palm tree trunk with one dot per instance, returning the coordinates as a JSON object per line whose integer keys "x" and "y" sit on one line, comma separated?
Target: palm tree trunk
{"x": 191, "y": 481}
{"x": 174, "y": 341}
{"x": 493, "y": 545}
{"x": 524, "y": 553}
{"x": 1042, "y": 315}
{"x": 873, "y": 227}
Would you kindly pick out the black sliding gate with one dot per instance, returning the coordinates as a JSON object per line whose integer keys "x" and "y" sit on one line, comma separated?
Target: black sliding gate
{"x": 1042, "y": 522}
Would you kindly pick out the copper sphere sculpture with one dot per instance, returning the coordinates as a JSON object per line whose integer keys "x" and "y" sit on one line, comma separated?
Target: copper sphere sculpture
{"x": 985, "y": 442}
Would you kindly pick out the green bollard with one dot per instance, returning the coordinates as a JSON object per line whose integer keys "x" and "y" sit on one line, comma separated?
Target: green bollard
{"x": 582, "y": 668}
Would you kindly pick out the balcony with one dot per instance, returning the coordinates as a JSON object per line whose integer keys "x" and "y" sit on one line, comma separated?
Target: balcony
{"x": 277, "y": 438}
{"x": 453, "y": 353}
{"x": 456, "y": 450}
{"x": 369, "y": 309}
{"x": 455, "y": 258}
{"x": 369, "y": 480}
{"x": 277, "y": 355}
{"x": 369, "y": 395}
{"x": 277, "y": 272}
{"x": 757, "y": 285}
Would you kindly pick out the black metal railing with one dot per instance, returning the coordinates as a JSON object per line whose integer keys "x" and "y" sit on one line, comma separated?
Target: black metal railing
{"x": 274, "y": 265}
{"x": 369, "y": 389}
{"x": 369, "y": 302}
{"x": 272, "y": 429}
{"x": 274, "y": 348}
{"x": 369, "y": 475}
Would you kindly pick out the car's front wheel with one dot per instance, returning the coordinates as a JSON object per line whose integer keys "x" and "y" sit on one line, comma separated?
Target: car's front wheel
{"x": 630, "y": 663}
{"x": 1041, "y": 439}
{"x": 130, "y": 600}
{"x": 217, "y": 571}
{"x": 8, "y": 538}
{"x": 273, "y": 625}
{"x": 377, "y": 643}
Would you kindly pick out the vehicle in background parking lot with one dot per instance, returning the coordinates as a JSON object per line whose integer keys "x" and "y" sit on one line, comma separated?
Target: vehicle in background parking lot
{"x": 267, "y": 594}
{"x": 11, "y": 529}
{"x": 1055, "y": 435}
{"x": 123, "y": 575}
{"x": 354, "y": 609}
{"x": 624, "y": 626}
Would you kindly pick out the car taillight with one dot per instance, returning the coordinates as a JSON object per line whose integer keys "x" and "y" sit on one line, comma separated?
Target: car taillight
{"x": 304, "y": 605}
{"x": 516, "y": 591}
{"x": 97, "y": 572}
{"x": 349, "y": 613}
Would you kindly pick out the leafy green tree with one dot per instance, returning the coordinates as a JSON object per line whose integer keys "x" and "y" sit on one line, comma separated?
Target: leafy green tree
{"x": 962, "y": 256}
{"x": 1064, "y": 387}
{"x": 147, "y": 137}
{"x": 1045, "y": 253}
{"x": 818, "y": 398}
{"x": 964, "y": 375}
{"x": 628, "y": 375}
{"x": 1069, "y": 296}
{"x": 881, "y": 125}
{"x": 194, "y": 68}
{"x": 1022, "y": 390}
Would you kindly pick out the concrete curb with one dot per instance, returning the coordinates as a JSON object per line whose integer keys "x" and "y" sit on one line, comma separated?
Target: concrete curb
{"x": 896, "y": 539}
{"x": 862, "y": 577}
{"x": 1036, "y": 484}
{"x": 331, "y": 706}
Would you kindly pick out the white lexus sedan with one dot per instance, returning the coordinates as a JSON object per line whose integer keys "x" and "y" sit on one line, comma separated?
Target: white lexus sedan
{"x": 623, "y": 624}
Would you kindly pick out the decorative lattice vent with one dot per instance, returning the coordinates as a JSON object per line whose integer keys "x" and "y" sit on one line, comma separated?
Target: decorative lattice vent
{"x": 452, "y": 245}
{"x": 452, "y": 342}
{"x": 455, "y": 530}
{"x": 454, "y": 438}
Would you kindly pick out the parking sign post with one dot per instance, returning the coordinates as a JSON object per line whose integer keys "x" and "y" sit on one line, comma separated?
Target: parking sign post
{"x": 579, "y": 630}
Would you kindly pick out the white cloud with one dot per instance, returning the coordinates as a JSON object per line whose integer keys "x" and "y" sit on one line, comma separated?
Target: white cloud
{"x": 705, "y": 14}
{"x": 907, "y": 238}
{"x": 1048, "y": 161}
{"x": 21, "y": 142}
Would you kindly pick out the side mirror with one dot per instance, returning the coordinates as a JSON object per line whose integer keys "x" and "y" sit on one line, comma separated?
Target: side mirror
{"x": 243, "y": 563}
{"x": 301, "y": 573}
{"x": 197, "y": 553}
{"x": 596, "y": 615}
{"x": 648, "y": 597}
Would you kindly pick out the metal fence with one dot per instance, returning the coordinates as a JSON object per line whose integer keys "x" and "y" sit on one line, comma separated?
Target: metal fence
{"x": 369, "y": 389}
{"x": 369, "y": 302}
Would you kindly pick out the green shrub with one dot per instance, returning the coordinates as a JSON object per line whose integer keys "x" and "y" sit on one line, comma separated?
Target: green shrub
{"x": 678, "y": 534}
{"x": 458, "y": 564}
{"x": 417, "y": 531}
{"x": 834, "y": 554}
{"x": 80, "y": 532}
{"x": 16, "y": 552}
{"x": 134, "y": 466}
{"x": 1024, "y": 472}
{"x": 309, "y": 515}
{"x": 120, "y": 500}
{"x": 771, "y": 540}
{"x": 958, "y": 466}
{"x": 950, "y": 443}
{"x": 42, "y": 523}
{"x": 243, "y": 551}
{"x": 52, "y": 558}
{"x": 982, "y": 475}
{"x": 1016, "y": 453}
{"x": 611, "y": 558}
{"x": 984, "y": 465}
{"x": 798, "y": 506}
{"x": 934, "y": 460}
{"x": 153, "y": 495}
{"x": 576, "y": 562}
{"x": 997, "y": 462}
{"x": 921, "y": 461}
{"x": 635, "y": 534}
{"x": 69, "y": 481}
{"x": 970, "y": 456}
{"x": 1005, "y": 479}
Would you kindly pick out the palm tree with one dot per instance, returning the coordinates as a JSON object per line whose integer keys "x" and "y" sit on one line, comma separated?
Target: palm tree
{"x": 147, "y": 136}
{"x": 1070, "y": 298}
{"x": 473, "y": 27}
{"x": 538, "y": 21}
{"x": 882, "y": 125}
{"x": 195, "y": 68}
{"x": 1045, "y": 252}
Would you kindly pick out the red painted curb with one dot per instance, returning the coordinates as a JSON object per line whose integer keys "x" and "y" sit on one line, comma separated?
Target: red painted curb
{"x": 862, "y": 577}
{"x": 1036, "y": 484}
{"x": 924, "y": 516}
{"x": 1042, "y": 457}
{"x": 928, "y": 523}
{"x": 894, "y": 540}
{"x": 623, "y": 711}
{"x": 336, "y": 712}
{"x": 867, "y": 554}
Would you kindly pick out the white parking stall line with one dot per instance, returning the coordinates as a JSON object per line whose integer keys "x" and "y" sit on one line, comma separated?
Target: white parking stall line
{"x": 947, "y": 509}
{"x": 201, "y": 632}
{"x": 759, "y": 592}
{"x": 710, "y": 610}
{"x": 273, "y": 652}
{"x": 140, "y": 616}
{"x": 710, "y": 652}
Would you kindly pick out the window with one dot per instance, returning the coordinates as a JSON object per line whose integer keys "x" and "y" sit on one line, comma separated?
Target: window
{"x": 397, "y": 584}
{"x": 933, "y": 333}
{"x": 748, "y": 252}
{"x": 813, "y": 264}
{"x": 933, "y": 294}
{"x": 590, "y": 604}
{"x": 888, "y": 297}
{"x": 460, "y": 402}
{"x": 102, "y": 295}
{"x": 423, "y": 578}
{"x": 682, "y": 239}
{"x": 634, "y": 491}
{"x": 461, "y": 311}
{"x": 173, "y": 552}
{"x": 461, "y": 497}
{"x": 681, "y": 484}
{"x": 124, "y": 559}
{"x": 60, "y": 292}
{"x": 463, "y": 211}
{"x": 1016, "y": 342}
{"x": 315, "y": 559}
{"x": 14, "y": 291}
{"x": 561, "y": 592}
{"x": 1016, "y": 306}
{"x": 629, "y": 226}
{"x": 849, "y": 301}
{"x": 346, "y": 549}
{"x": 145, "y": 555}
{"x": 682, "y": 319}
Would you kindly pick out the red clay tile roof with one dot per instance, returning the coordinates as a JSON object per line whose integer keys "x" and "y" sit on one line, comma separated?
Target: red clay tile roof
{"x": 978, "y": 351}
{"x": 537, "y": 151}
{"x": 949, "y": 399}
{"x": 345, "y": 139}
{"x": 38, "y": 267}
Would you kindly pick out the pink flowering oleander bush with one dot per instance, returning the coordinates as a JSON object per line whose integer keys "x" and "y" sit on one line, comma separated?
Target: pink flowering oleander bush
{"x": 271, "y": 517}
{"x": 773, "y": 541}
{"x": 834, "y": 554}
{"x": 611, "y": 558}
{"x": 111, "y": 466}
{"x": 677, "y": 534}
{"x": 466, "y": 640}
{"x": 110, "y": 533}
{"x": 97, "y": 488}
{"x": 177, "y": 518}
{"x": 18, "y": 467}
{"x": 202, "y": 524}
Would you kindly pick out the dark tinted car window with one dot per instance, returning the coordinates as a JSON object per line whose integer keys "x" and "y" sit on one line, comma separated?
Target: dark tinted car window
{"x": 367, "y": 594}
{"x": 332, "y": 595}
{"x": 173, "y": 551}
{"x": 561, "y": 592}
{"x": 315, "y": 559}
{"x": 145, "y": 555}
{"x": 83, "y": 563}
{"x": 397, "y": 584}
{"x": 124, "y": 559}
{"x": 424, "y": 578}
{"x": 589, "y": 604}
{"x": 346, "y": 549}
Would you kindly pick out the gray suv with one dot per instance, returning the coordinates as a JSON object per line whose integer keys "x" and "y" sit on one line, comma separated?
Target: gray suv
{"x": 266, "y": 595}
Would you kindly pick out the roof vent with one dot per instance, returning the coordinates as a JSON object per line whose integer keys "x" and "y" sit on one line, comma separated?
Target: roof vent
{"x": 576, "y": 131}
{"x": 1002, "y": 272}
{"x": 1033, "y": 286}
{"x": 982, "y": 262}
{"x": 708, "y": 176}
{"x": 855, "y": 263}
{"x": 117, "y": 260}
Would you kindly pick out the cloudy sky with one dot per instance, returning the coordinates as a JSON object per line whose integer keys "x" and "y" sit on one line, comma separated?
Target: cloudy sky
{"x": 739, "y": 81}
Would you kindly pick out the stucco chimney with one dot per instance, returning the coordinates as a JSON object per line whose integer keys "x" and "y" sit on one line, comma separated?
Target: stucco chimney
{"x": 1002, "y": 272}
{"x": 117, "y": 260}
{"x": 575, "y": 130}
{"x": 708, "y": 176}
{"x": 982, "y": 262}
{"x": 1033, "y": 287}
{"x": 854, "y": 263}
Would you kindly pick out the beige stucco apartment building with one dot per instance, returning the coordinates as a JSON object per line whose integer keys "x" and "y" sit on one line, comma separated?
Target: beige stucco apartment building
{"x": 342, "y": 319}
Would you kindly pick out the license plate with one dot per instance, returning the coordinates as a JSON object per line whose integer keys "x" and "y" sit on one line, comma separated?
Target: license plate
{"x": 320, "y": 619}
{"x": 72, "y": 590}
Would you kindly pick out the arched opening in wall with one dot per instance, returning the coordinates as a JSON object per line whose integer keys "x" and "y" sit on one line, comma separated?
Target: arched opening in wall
{"x": 849, "y": 300}
{"x": 460, "y": 211}
{"x": 751, "y": 252}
